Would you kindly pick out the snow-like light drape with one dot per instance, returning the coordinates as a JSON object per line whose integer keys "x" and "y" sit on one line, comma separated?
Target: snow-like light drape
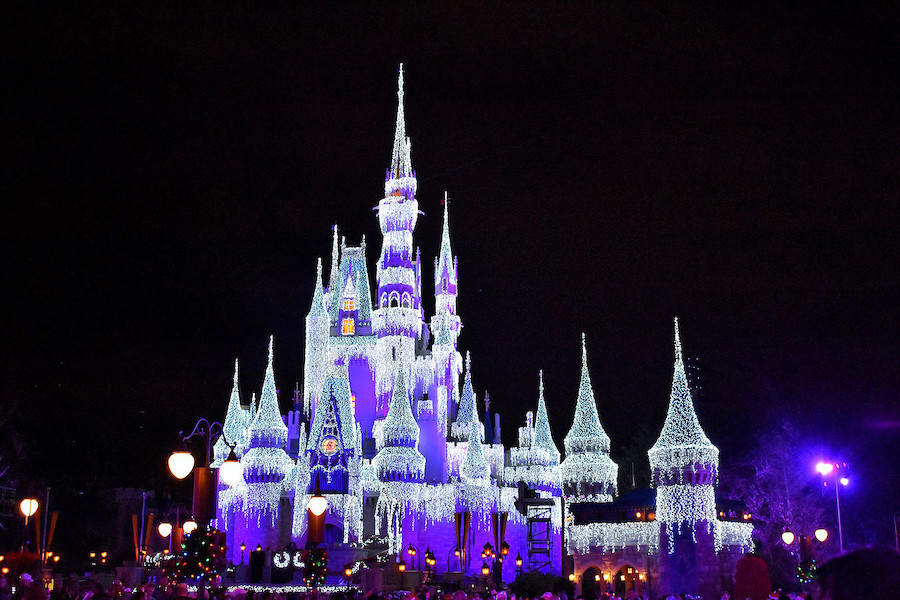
{"x": 609, "y": 537}
{"x": 588, "y": 473}
{"x": 683, "y": 461}
{"x": 266, "y": 464}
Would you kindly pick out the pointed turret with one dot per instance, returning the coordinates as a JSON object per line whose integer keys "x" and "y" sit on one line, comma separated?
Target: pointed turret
{"x": 459, "y": 429}
{"x": 236, "y": 420}
{"x": 399, "y": 459}
{"x": 682, "y": 444}
{"x": 474, "y": 468}
{"x": 542, "y": 437}
{"x": 268, "y": 428}
{"x": 317, "y": 308}
{"x": 588, "y": 472}
{"x": 335, "y": 263}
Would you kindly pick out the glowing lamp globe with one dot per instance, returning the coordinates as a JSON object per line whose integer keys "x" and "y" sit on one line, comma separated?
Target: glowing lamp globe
{"x": 844, "y": 481}
{"x": 824, "y": 468}
{"x": 189, "y": 526}
{"x": 181, "y": 463}
{"x": 821, "y": 535}
{"x": 164, "y": 529}
{"x": 231, "y": 471}
{"x": 485, "y": 569}
{"x": 318, "y": 505}
{"x": 28, "y": 506}
{"x": 787, "y": 537}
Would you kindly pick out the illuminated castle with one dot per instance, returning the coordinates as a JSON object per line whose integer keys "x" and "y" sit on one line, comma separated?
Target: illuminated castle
{"x": 389, "y": 426}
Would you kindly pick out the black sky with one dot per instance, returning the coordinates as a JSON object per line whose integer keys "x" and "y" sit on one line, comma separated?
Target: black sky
{"x": 172, "y": 172}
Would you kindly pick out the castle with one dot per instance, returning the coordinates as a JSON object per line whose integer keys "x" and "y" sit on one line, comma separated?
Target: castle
{"x": 389, "y": 428}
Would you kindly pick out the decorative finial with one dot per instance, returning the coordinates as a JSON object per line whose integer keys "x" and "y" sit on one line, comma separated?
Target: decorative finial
{"x": 271, "y": 343}
{"x": 583, "y": 350}
{"x": 677, "y": 342}
{"x": 400, "y": 84}
{"x": 235, "y": 372}
{"x": 468, "y": 361}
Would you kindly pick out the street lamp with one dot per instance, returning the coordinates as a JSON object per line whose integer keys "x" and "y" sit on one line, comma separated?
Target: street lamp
{"x": 27, "y": 507}
{"x": 412, "y": 551}
{"x": 825, "y": 469}
{"x": 806, "y": 561}
{"x": 181, "y": 463}
{"x": 518, "y": 565}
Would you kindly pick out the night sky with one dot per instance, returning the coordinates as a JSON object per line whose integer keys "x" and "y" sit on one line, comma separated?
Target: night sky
{"x": 172, "y": 172}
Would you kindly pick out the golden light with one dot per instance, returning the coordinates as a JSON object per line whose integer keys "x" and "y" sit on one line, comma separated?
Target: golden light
{"x": 189, "y": 526}
{"x": 103, "y": 554}
{"x": 56, "y": 558}
{"x": 401, "y": 566}
{"x": 93, "y": 555}
{"x": 485, "y": 570}
{"x": 181, "y": 463}
{"x": 571, "y": 576}
{"x": 606, "y": 577}
{"x": 787, "y": 537}
{"x": 637, "y": 514}
{"x": 641, "y": 576}
{"x": 348, "y": 572}
{"x": 2, "y": 557}
{"x": 164, "y": 529}
{"x": 821, "y": 535}
{"x": 4, "y": 570}
{"x": 28, "y": 507}
{"x": 596, "y": 577}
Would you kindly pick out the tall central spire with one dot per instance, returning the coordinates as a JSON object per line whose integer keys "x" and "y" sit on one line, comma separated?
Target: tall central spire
{"x": 400, "y": 179}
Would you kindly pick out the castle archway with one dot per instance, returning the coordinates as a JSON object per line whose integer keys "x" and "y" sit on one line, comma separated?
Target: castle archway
{"x": 592, "y": 583}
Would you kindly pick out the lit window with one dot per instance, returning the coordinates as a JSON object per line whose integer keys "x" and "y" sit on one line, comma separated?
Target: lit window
{"x": 353, "y": 403}
{"x": 348, "y": 303}
{"x": 347, "y": 327}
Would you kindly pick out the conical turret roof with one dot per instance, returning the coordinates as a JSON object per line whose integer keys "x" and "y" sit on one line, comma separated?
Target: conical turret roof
{"x": 682, "y": 442}
{"x": 474, "y": 467}
{"x": 317, "y": 309}
{"x": 586, "y": 433}
{"x": 268, "y": 428}
{"x": 542, "y": 436}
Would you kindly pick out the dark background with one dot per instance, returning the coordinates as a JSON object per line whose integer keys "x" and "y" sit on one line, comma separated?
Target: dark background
{"x": 172, "y": 171}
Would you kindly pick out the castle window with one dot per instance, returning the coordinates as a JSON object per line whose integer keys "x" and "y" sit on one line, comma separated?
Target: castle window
{"x": 348, "y": 304}
{"x": 353, "y": 403}
{"x": 444, "y": 284}
{"x": 347, "y": 326}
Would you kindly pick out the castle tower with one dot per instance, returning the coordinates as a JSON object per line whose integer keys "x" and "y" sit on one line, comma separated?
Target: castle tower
{"x": 684, "y": 465}
{"x": 266, "y": 464}
{"x": 445, "y": 328}
{"x": 588, "y": 473}
{"x": 399, "y": 465}
{"x": 397, "y": 322}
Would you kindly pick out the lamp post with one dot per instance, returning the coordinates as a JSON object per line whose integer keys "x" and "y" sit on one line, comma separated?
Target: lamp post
{"x": 348, "y": 573}
{"x": 518, "y": 565}
{"x": 805, "y": 550}
{"x": 243, "y": 547}
{"x": 826, "y": 469}
{"x": 401, "y": 566}
{"x": 181, "y": 464}
{"x": 27, "y": 507}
